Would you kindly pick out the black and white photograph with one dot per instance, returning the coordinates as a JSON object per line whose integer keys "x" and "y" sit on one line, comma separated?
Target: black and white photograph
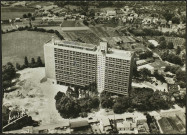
{"x": 93, "y": 67}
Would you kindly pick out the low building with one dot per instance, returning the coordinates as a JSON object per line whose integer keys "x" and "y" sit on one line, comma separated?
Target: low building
{"x": 77, "y": 125}
{"x": 127, "y": 126}
{"x": 105, "y": 125}
{"x": 111, "y": 13}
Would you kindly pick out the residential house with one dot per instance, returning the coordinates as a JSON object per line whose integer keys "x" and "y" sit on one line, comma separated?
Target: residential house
{"x": 111, "y": 13}
{"x": 105, "y": 125}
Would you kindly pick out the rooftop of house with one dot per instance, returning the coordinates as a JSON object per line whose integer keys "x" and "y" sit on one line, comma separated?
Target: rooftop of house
{"x": 127, "y": 124}
{"x": 78, "y": 124}
{"x": 105, "y": 122}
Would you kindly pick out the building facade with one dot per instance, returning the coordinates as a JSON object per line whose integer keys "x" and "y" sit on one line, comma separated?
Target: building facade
{"x": 80, "y": 64}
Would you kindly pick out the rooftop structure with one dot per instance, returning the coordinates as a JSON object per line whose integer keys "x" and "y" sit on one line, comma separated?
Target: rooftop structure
{"x": 77, "y": 45}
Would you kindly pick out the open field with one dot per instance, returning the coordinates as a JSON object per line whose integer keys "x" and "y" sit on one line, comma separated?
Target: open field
{"x": 14, "y": 12}
{"x": 17, "y": 45}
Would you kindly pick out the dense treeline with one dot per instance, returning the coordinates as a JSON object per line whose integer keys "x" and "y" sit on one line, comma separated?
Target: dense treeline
{"x": 170, "y": 57}
{"x": 8, "y": 74}
{"x": 145, "y": 55}
{"x": 141, "y": 99}
{"x": 70, "y": 107}
{"x": 152, "y": 32}
{"x": 32, "y": 64}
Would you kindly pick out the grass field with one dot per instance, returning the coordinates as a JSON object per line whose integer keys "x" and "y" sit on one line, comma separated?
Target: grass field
{"x": 14, "y": 12}
{"x": 17, "y": 45}
{"x": 66, "y": 23}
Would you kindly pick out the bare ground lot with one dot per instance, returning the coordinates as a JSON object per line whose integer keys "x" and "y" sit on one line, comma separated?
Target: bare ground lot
{"x": 17, "y": 45}
{"x": 37, "y": 98}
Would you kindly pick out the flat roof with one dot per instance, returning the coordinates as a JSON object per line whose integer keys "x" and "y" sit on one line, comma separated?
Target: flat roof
{"x": 105, "y": 122}
{"x": 120, "y": 54}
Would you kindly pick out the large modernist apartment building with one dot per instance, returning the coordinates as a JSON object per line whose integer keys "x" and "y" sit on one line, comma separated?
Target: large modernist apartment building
{"x": 75, "y": 63}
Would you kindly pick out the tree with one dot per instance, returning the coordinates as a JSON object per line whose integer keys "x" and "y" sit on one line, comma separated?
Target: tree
{"x": 95, "y": 102}
{"x": 39, "y": 62}
{"x": 145, "y": 73}
{"x": 31, "y": 18}
{"x": 163, "y": 45}
{"x": 162, "y": 39}
{"x": 5, "y": 114}
{"x": 106, "y": 101}
{"x": 24, "y": 16}
{"x": 26, "y": 63}
{"x": 118, "y": 108}
{"x": 85, "y": 22}
{"x": 33, "y": 61}
{"x": 170, "y": 45}
{"x": 175, "y": 20}
{"x": 181, "y": 75}
{"x": 151, "y": 46}
{"x": 135, "y": 71}
{"x": 168, "y": 16}
{"x": 8, "y": 73}
{"x": 18, "y": 66}
{"x": 159, "y": 76}
{"x": 178, "y": 51}
{"x": 146, "y": 55}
